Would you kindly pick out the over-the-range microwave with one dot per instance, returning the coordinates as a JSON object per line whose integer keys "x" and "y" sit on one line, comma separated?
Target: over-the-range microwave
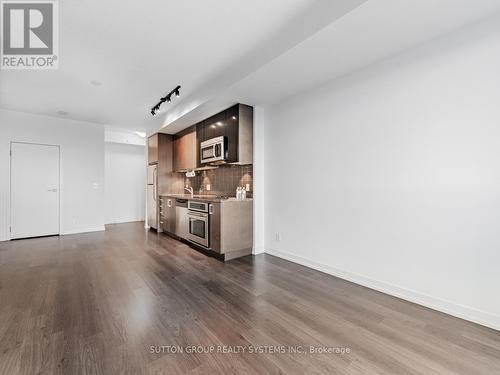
{"x": 213, "y": 150}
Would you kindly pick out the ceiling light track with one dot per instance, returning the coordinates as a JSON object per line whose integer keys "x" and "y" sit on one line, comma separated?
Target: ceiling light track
{"x": 167, "y": 98}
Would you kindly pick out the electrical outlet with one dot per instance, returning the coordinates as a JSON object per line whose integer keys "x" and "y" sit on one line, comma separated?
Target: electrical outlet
{"x": 278, "y": 236}
{"x": 208, "y": 187}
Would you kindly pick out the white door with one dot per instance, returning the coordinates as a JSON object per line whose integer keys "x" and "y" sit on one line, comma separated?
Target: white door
{"x": 34, "y": 194}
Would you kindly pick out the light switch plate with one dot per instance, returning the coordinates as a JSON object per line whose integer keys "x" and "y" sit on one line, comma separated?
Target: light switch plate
{"x": 208, "y": 187}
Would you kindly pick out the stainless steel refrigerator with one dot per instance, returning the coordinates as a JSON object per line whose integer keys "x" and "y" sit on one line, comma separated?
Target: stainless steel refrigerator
{"x": 153, "y": 196}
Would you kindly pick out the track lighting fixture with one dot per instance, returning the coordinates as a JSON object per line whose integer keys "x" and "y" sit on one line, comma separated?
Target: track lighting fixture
{"x": 167, "y": 98}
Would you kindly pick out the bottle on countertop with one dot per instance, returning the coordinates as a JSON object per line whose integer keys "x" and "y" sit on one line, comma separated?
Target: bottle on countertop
{"x": 243, "y": 193}
{"x": 238, "y": 193}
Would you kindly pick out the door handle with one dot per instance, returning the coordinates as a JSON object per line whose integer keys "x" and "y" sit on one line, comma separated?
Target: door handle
{"x": 197, "y": 215}
{"x": 52, "y": 190}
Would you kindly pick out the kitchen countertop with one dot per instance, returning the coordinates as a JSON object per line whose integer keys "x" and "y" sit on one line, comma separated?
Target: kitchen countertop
{"x": 206, "y": 198}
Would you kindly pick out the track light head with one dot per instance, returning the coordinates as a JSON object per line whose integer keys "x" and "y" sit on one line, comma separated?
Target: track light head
{"x": 168, "y": 98}
{"x": 177, "y": 93}
{"x": 155, "y": 109}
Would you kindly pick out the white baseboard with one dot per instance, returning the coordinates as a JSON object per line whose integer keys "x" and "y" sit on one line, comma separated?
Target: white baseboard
{"x": 125, "y": 221}
{"x": 84, "y": 230}
{"x": 464, "y": 312}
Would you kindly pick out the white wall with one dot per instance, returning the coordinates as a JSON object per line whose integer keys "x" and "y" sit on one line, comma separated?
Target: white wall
{"x": 390, "y": 177}
{"x": 125, "y": 171}
{"x": 123, "y": 136}
{"x": 82, "y": 167}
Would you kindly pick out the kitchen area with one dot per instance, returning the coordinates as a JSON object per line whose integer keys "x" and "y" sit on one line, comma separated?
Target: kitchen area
{"x": 200, "y": 184}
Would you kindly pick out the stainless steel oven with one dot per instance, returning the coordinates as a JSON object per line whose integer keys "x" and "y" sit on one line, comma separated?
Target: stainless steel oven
{"x": 198, "y": 221}
{"x": 213, "y": 150}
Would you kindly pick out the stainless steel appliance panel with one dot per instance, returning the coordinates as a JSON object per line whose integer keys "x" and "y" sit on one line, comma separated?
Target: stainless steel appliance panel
{"x": 152, "y": 169}
{"x": 181, "y": 218}
{"x": 152, "y": 197}
{"x": 152, "y": 207}
{"x": 198, "y": 206}
{"x": 169, "y": 214}
{"x": 213, "y": 150}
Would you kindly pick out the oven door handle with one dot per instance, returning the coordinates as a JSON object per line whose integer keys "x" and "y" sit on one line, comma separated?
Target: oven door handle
{"x": 197, "y": 214}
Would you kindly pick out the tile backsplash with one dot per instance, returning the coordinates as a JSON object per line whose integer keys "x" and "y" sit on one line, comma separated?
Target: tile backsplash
{"x": 223, "y": 180}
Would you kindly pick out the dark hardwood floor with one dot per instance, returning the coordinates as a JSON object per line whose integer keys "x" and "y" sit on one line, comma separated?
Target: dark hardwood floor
{"x": 99, "y": 303}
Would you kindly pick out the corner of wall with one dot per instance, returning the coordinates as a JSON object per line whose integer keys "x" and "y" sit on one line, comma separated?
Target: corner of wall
{"x": 258, "y": 250}
{"x": 258, "y": 180}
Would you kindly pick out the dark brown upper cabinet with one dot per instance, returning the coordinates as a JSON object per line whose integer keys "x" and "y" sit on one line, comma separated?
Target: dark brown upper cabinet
{"x": 214, "y": 126}
{"x": 234, "y": 123}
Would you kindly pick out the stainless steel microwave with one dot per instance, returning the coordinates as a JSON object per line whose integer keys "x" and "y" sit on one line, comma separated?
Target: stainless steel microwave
{"x": 213, "y": 150}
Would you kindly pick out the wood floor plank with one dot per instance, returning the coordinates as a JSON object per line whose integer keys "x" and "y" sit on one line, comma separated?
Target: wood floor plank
{"x": 108, "y": 302}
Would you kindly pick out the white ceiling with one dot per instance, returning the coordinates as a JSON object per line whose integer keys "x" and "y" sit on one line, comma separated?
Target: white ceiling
{"x": 221, "y": 52}
{"x": 140, "y": 50}
{"x": 375, "y": 30}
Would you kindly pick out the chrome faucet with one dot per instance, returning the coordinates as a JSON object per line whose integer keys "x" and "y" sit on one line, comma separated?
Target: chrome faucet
{"x": 190, "y": 189}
